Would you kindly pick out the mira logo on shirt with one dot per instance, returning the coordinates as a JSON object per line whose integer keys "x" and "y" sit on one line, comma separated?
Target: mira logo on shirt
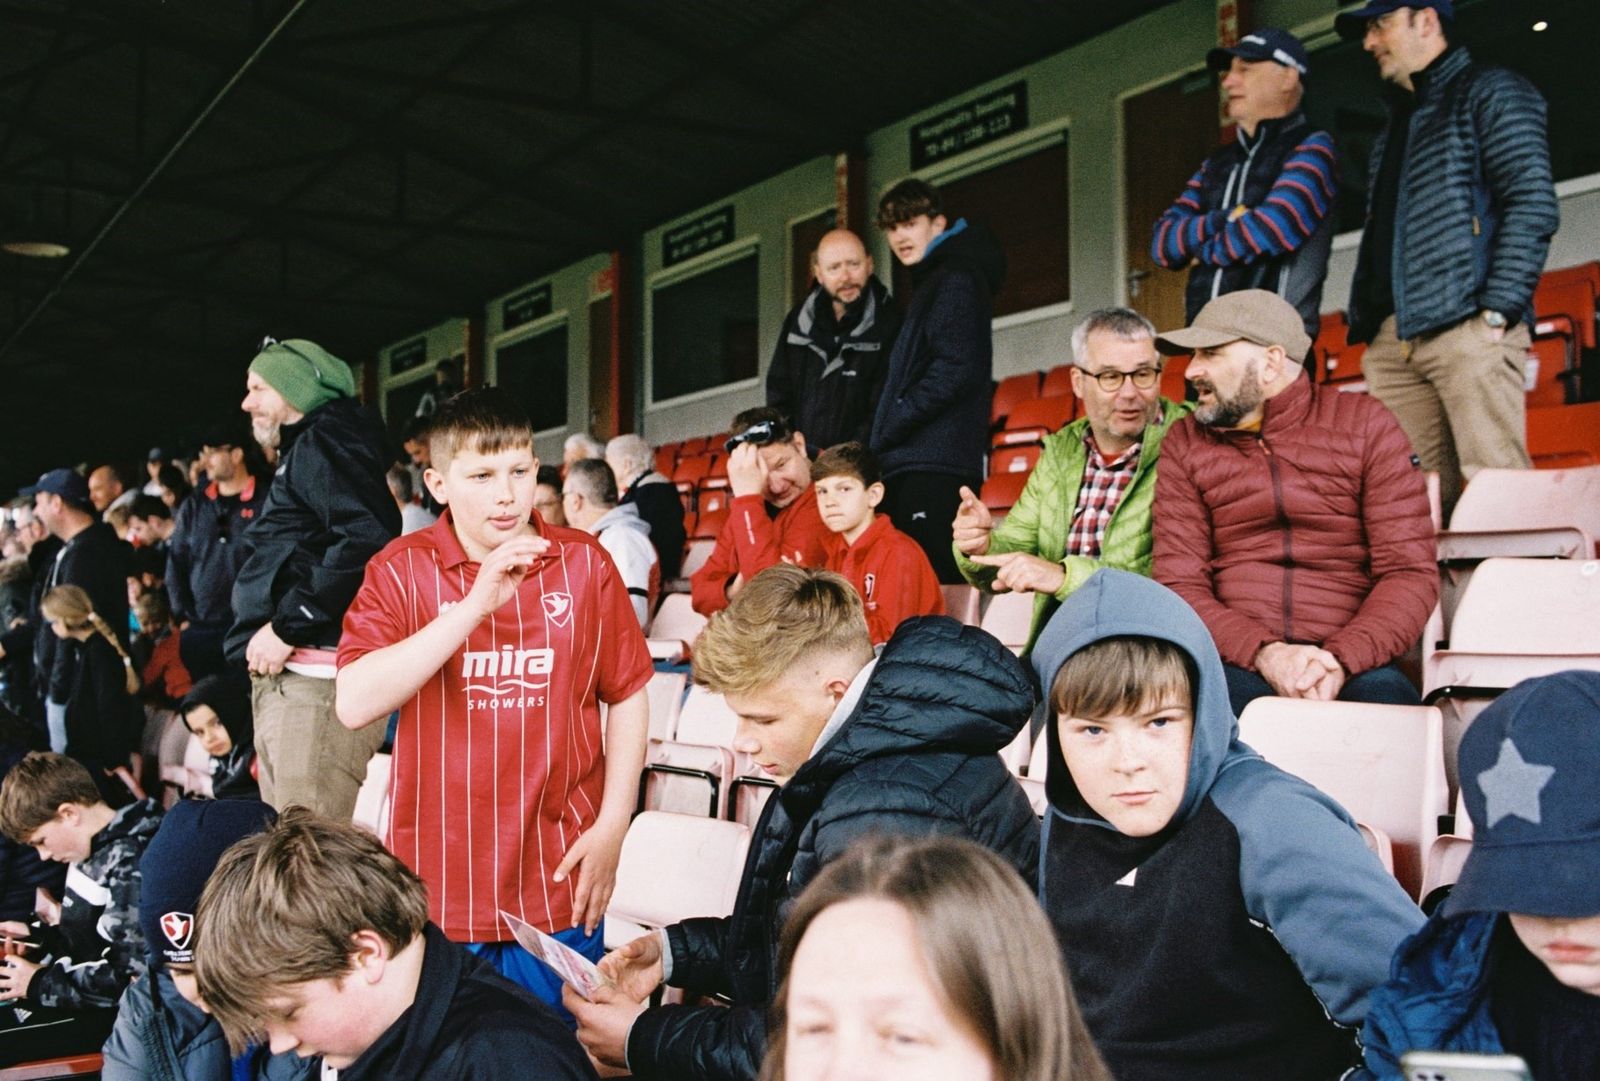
{"x": 502, "y": 672}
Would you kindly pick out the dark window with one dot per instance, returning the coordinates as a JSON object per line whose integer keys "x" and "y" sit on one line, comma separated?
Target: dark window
{"x": 1345, "y": 96}
{"x": 534, "y": 371}
{"x": 400, "y": 405}
{"x": 703, "y": 330}
{"x": 1024, "y": 202}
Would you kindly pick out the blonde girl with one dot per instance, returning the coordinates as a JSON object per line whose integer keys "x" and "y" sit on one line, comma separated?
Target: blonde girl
{"x": 98, "y": 684}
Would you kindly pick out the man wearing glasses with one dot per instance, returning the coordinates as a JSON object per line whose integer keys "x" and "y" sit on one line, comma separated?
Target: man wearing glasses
{"x": 1087, "y": 504}
{"x": 1292, "y": 517}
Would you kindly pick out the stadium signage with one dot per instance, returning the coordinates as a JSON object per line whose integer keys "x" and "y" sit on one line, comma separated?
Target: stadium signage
{"x": 973, "y": 123}
{"x": 685, "y": 241}
{"x": 524, "y": 307}
{"x": 402, "y": 358}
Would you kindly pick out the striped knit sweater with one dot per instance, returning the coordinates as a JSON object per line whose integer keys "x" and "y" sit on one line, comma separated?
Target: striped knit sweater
{"x": 1256, "y": 215}
{"x": 1476, "y": 206}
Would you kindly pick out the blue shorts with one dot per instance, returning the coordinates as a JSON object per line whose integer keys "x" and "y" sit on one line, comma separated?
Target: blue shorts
{"x": 525, "y": 970}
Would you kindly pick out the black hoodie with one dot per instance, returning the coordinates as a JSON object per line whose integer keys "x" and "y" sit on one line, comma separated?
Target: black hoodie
{"x": 933, "y": 416}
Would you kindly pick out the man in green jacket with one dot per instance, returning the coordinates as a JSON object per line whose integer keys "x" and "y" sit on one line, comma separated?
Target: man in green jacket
{"x": 1088, "y": 502}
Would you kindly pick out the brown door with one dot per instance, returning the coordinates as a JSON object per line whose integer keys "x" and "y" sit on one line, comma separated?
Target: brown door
{"x": 603, "y": 396}
{"x": 1167, "y": 132}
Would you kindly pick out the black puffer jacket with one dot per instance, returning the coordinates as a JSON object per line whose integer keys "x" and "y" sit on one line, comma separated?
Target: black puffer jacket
{"x": 933, "y": 416}
{"x": 327, "y": 512}
{"x": 918, "y": 756}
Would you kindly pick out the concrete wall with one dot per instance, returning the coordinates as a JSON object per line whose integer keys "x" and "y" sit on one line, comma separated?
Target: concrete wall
{"x": 443, "y": 341}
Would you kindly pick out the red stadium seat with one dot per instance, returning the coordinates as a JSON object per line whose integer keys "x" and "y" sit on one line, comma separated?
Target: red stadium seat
{"x": 716, "y": 475}
{"x": 667, "y": 458}
{"x": 1001, "y": 492}
{"x": 1564, "y": 303}
{"x": 1012, "y": 391}
{"x": 1034, "y": 419}
{"x": 708, "y": 523}
{"x": 714, "y": 501}
{"x": 1014, "y": 459}
{"x": 692, "y": 447}
{"x": 690, "y": 471}
{"x": 1172, "y": 385}
{"x": 1329, "y": 344}
{"x": 1551, "y": 368}
{"x": 1563, "y": 436}
{"x": 1057, "y": 380}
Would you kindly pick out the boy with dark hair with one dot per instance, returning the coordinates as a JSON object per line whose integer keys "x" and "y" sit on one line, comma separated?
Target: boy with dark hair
{"x": 163, "y": 1029}
{"x": 67, "y": 980}
{"x": 312, "y": 937}
{"x": 887, "y": 568}
{"x": 931, "y": 429}
{"x": 1222, "y": 920}
{"x": 1511, "y": 962}
{"x": 498, "y": 637}
{"x": 770, "y": 518}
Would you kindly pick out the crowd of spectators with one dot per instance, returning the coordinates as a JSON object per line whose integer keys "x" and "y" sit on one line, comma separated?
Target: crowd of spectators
{"x": 300, "y": 594}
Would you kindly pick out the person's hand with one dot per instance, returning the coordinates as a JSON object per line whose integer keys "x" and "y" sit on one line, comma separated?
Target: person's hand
{"x": 1019, "y": 572}
{"x": 266, "y": 652}
{"x": 736, "y": 583}
{"x": 972, "y": 525}
{"x": 1293, "y": 671}
{"x": 15, "y": 976}
{"x": 1495, "y": 333}
{"x": 635, "y": 968}
{"x": 604, "y": 1023}
{"x": 1327, "y": 688}
{"x": 747, "y": 471}
{"x": 594, "y": 854}
{"x": 502, "y": 572}
{"x": 14, "y": 929}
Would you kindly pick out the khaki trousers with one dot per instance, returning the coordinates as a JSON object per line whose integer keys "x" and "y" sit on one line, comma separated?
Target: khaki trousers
{"x": 1458, "y": 395}
{"x": 304, "y": 754}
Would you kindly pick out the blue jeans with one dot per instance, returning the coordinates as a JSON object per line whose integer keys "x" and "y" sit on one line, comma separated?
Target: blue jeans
{"x": 1386, "y": 686}
{"x": 525, "y": 970}
{"x": 55, "y": 717}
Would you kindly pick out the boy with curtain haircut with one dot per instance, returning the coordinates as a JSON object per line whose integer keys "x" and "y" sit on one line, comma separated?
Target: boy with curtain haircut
{"x": 498, "y": 637}
{"x": 888, "y": 568}
{"x": 311, "y": 938}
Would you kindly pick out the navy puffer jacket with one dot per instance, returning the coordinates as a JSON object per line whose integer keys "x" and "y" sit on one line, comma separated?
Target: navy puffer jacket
{"x": 918, "y": 756}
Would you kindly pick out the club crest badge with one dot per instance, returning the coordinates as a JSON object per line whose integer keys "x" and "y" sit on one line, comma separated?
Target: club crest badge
{"x": 558, "y": 606}
{"x": 178, "y": 927}
{"x": 871, "y": 582}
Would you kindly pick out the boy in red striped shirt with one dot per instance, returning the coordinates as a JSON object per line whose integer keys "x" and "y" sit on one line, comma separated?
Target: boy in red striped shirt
{"x": 888, "y": 568}
{"x": 497, "y": 637}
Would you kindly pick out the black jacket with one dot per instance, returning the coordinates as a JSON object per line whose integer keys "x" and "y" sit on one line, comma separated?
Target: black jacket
{"x": 1476, "y": 205}
{"x": 205, "y": 551}
{"x": 104, "y": 721}
{"x": 659, "y": 505}
{"x": 327, "y": 512}
{"x": 918, "y": 756}
{"x": 468, "y": 1023}
{"x": 827, "y": 382}
{"x": 99, "y": 562}
{"x": 933, "y": 416}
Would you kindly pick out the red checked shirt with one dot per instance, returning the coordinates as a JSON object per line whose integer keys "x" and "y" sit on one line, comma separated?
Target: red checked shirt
{"x": 498, "y": 763}
{"x": 1104, "y": 484}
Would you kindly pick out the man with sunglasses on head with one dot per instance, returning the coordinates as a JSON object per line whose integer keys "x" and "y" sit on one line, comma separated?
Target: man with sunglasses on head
{"x": 1088, "y": 503}
{"x": 327, "y": 512}
{"x": 773, "y": 516}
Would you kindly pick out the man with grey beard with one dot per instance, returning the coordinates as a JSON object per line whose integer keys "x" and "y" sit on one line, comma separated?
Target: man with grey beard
{"x": 1293, "y": 518}
{"x": 327, "y": 511}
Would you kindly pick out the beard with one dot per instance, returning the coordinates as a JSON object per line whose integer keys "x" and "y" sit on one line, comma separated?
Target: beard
{"x": 1227, "y": 412}
{"x": 266, "y": 432}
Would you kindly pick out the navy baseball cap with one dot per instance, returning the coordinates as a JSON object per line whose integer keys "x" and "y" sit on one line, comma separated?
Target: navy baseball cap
{"x": 1279, "y": 46}
{"x": 66, "y": 483}
{"x": 1352, "y": 24}
{"x": 1528, "y": 769}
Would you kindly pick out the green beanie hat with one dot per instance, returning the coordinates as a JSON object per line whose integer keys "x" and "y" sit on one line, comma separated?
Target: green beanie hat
{"x": 306, "y": 374}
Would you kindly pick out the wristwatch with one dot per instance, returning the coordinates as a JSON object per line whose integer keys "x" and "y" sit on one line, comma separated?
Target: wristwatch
{"x": 1495, "y": 319}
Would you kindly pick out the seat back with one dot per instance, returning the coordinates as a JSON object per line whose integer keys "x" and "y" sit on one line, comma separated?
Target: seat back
{"x": 1057, "y": 381}
{"x": 677, "y": 619}
{"x": 1039, "y": 756}
{"x": 665, "y": 691}
{"x": 1515, "y": 499}
{"x": 1012, "y": 391}
{"x": 1530, "y": 606}
{"x": 1008, "y": 618}
{"x": 706, "y": 718}
{"x": 1015, "y": 459}
{"x": 1173, "y": 387}
{"x": 686, "y": 778}
{"x": 1383, "y": 764}
{"x": 1563, "y": 436}
{"x": 1032, "y": 420}
{"x": 695, "y": 555}
{"x": 372, "y": 801}
{"x": 676, "y": 867}
{"x": 963, "y": 603}
{"x": 1002, "y": 490}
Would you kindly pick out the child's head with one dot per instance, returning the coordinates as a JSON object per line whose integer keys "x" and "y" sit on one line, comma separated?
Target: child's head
{"x": 173, "y": 870}
{"x": 217, "y": 711}
{"x": 154, "y": 612}
{"x": 72, "y": 615}
{"x": 295, "y": 935}
{"x": 50, "y": 801}
{"x": 1528, "y": 768}
{"x": 921, "y": 959}
{"x": 480, "y": 446}
{"x": 849, "y": 484}
{"x": 782, "y": 654}
{"x": 1124, "y": 711}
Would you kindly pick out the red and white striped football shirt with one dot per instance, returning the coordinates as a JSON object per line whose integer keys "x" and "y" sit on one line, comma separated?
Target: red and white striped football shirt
{"x": 498, "y": 762}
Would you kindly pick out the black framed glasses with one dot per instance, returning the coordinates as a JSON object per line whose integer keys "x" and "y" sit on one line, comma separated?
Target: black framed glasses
{"x": 1110, "y": 380}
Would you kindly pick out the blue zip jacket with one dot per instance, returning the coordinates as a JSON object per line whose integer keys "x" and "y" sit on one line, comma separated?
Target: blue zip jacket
{"x": 1476, "y": 206}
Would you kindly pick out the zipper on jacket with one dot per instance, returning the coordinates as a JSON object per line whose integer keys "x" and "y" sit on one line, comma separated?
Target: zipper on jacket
{"x": 1288, "y": 539}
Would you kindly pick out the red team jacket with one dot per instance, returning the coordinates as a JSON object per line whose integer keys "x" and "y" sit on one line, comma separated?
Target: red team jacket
{"x": 751, "y": 542}
{"x": 892, "y": 574}
{"x": 498, "y": 763}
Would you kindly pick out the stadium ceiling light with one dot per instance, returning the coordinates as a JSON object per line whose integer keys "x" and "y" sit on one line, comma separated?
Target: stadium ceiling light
{"x": 36, "y": 249}
{"x": 1540, "y": 26}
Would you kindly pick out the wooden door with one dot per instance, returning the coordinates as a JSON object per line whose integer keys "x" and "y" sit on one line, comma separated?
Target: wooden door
{"x": 1167, "y": 132}
{"x": 603, "y": 391}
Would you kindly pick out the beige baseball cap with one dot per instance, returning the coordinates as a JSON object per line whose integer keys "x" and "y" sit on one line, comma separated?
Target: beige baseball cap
{"x": 1252, "y": 315}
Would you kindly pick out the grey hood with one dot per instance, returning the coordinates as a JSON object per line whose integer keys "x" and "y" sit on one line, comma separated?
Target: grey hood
{"x": 624, "y": 517}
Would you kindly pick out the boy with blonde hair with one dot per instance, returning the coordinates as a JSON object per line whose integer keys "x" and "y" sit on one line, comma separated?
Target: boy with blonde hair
{"x": 312, "y": 938}
{"x": 888, "y": 568}
{"x": 498, "y": 637}
{"x": 900, "y": 742}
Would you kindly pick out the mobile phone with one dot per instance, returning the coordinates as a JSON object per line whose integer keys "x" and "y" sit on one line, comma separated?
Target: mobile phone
{"x": 1451, "y": 1066}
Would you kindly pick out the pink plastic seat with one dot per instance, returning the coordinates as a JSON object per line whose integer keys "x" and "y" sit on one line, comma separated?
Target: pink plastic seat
{"x": 673, "y": 868}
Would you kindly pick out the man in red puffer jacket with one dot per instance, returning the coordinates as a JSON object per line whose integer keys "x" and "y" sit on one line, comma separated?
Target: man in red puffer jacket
{"x": 1293, "y": 518}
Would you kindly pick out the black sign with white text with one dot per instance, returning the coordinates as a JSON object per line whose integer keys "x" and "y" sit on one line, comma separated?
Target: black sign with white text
{"x": 982, "y": 120}
{"x": 526, "y": 306}
{"x": 711, "y": 230}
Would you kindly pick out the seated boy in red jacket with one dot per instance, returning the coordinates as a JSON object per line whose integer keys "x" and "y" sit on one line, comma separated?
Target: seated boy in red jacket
{"x": 888, "y": 568}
